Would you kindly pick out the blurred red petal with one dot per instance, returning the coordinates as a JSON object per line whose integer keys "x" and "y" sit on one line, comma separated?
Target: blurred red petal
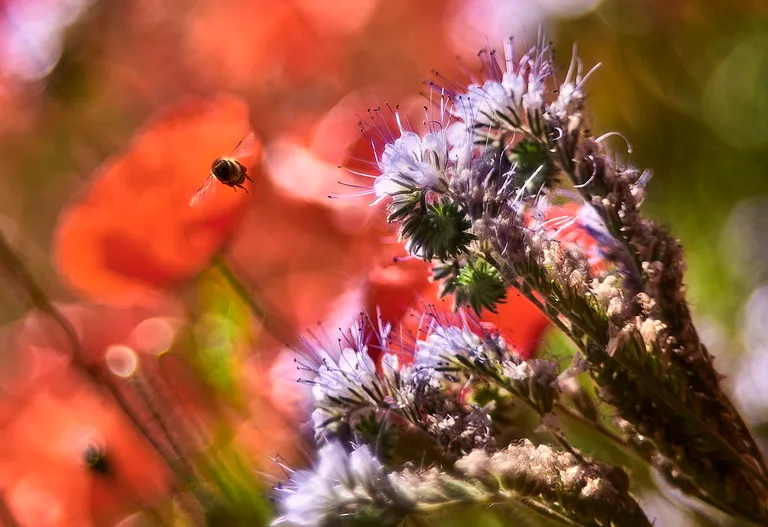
{"x": 38, "y": 350}
{"x": 46, "y": 479}
{"x": 402, "y": 291}
{"x": 520, "y": 322}
{"x": 274, "y": 45}
{"x": 300, "y": 259}
{"x": 339, "y": 16}
{"x": 134, "y": 231}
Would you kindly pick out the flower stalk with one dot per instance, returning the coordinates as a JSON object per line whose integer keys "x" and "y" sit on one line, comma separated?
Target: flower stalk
{"x": 557, "y": 216}
{"x": 28, "y": 286}
{"x": 567, "y": 489}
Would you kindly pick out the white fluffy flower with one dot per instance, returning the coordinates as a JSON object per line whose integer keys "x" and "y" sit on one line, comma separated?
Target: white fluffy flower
{"x": 344, "y": 377}
{"x": 364, "y": 467}
{"x": 482, "y": 105}
{"x": 319, "y": 418}
{"x": 413, "y": 162}
{"x": 569, "y": 98}
{"x": 390, "y": 366}
{"x": 445, "y": 342}
{"x": 534, "y": 95}
{"x": 313, "y": 496}
{"x": 514, "y": 83}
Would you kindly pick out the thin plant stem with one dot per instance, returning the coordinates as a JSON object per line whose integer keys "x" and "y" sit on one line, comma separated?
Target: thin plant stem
{"x": 607, "y": 434}
{"x": 270, "y": 318}
{"x": 505, "y": 499}
{"x": 549, "y": 513}
{"x": 21, "y": 277}
{"x": 149, "y": 402}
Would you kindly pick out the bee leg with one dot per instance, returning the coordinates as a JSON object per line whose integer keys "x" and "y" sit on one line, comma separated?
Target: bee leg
{"x": 242, "y": 187}
{"x": 248, "y": 177}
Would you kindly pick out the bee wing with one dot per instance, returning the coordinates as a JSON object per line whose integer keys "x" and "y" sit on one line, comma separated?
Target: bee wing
{"x": 247, "y": 147}
{"x": 207, "y": 190}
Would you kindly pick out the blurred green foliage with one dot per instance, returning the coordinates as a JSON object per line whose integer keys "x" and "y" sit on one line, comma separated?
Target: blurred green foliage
{"x": 685, "y": 81}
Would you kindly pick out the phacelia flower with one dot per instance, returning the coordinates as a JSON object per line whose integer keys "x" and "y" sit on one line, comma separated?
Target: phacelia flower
{"x": 339, "y": 480}
{"x": 507, "y": 94}
{"x": 345, "y": 377}
{"x": 412, "y": 163}
{"x": 444, "y": 343}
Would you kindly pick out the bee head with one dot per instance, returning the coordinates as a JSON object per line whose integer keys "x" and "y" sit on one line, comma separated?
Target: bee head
{"x": 221, "y": 169}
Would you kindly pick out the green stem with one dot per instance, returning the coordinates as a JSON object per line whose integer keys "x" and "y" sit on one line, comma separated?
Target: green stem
{"x": 679, "y": 408}
{"x": 594, "y": 425}
{"x": 500, "y": 498}
{"x": 270, "y": 318}
{"x": 146, "y": 398}
{"x": 526, "y": 291}
{"x": 545, "y": 511}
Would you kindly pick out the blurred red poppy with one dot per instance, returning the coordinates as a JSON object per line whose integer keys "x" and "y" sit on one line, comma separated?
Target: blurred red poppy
{"x": 75, "y": 460}
{"x": 339, "y": 16}
{"x": 569, "y": 224}
{"x": 37, "y": 349}
{"x": 401, "y": 291}
{"x": 112, "y": 341}
{"x": 233, "y": 42}
{"x": 133, "y": 231}
{"x": 271, "y": 428}
{"x": 393, "y": 288}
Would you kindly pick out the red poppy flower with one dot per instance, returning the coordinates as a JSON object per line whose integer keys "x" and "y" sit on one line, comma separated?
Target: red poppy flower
{"x": 233, "y": 42}
{"x": 111, "y": 340}
{"x": 134, "y": 231}
{"x": 402, "y": 290}
{"x": 72, "y": 458}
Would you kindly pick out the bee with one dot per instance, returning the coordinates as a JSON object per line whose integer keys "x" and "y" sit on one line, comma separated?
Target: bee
{"x": 228, "y": 170}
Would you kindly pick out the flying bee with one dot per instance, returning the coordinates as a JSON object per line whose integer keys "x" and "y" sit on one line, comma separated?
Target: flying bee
{"x": 229, "y": 170}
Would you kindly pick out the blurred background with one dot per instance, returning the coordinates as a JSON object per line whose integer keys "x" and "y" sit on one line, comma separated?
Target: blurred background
{"x": 90, "y": 91}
